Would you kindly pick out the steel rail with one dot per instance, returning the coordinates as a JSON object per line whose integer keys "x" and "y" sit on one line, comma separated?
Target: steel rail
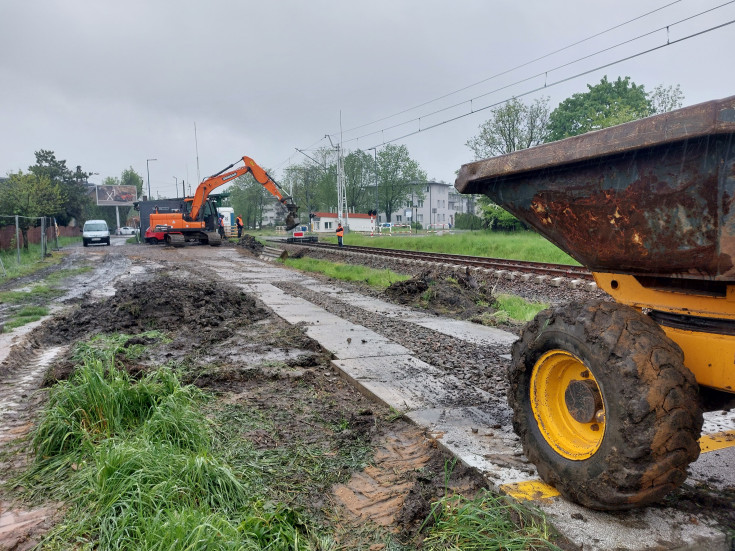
{"x": 542, "y": 268}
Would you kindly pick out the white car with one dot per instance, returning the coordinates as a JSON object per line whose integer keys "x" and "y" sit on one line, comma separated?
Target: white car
{"x": 126, "y": 230}
{"x": 95, "y": 231}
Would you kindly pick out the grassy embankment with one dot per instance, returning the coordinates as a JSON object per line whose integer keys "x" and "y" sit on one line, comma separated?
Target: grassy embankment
{"x": 154, "y": 464}
{"x": 515, "y": 246}
{"x": 30, "y": 304}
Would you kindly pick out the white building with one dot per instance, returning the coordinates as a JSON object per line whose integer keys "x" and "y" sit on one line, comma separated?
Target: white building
{"x": 431, "y": 207}
{"x": 326, "y": 222}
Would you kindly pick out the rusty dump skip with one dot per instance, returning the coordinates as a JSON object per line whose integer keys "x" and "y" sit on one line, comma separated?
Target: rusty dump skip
{"x": 653, "y": 196}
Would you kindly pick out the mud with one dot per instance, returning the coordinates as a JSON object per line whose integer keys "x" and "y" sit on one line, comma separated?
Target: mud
{"x": 454, "y": 293}
{"x": 249, "y": 243}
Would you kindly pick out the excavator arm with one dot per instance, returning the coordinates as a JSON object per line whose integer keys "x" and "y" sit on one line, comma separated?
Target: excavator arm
{"x": 260, "y": 175}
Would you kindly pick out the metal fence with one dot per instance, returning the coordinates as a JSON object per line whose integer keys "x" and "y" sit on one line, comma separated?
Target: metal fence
{"x": 45, "y": 230}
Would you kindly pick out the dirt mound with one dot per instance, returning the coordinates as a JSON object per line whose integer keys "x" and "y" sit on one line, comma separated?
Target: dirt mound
{"x": 456, "y": 293}
{"x": 251, "y": 244}
{"x": 168, "y": 302}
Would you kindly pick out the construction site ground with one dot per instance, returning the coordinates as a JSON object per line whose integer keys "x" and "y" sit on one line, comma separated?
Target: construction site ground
{"x": 377, "y": 354}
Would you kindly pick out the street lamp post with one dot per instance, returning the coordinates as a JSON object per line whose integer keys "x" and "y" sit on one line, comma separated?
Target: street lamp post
{"x": 148, "y": 171}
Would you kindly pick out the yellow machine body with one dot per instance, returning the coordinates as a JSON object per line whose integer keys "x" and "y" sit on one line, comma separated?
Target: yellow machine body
{"x": 709, "y": 351}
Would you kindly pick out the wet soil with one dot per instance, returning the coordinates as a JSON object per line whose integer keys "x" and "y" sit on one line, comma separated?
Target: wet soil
{"x": 452, "y": 293}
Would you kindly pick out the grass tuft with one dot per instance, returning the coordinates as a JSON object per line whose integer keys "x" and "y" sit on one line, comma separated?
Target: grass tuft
{"x": 347, "y": 272}
{"x": 485, "y": 522}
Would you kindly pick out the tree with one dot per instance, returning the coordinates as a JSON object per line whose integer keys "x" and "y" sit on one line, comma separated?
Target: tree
{"x": 511, "y": 127}
{"x": 398, "y": 176}
{"x": 360, "y": 181}
{"x": 30, "y": 197}
{"x": 604, "y": 104}
{"x": 75, "y": 198}
{"x": 666, "y": 98}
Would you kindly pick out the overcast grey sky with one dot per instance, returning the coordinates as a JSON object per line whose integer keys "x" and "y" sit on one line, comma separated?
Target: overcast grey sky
{"x": 107, "y": 85}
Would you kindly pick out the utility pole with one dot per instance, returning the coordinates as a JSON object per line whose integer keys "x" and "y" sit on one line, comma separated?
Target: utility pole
{"x": 341, "y": 192}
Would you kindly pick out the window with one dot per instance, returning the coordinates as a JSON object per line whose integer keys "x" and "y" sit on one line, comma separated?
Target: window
{"x": 421, "y": 203}
{"x": 398, "y": 218}
{"x": 420, "y": 218}
{"x": 328, "y": 225}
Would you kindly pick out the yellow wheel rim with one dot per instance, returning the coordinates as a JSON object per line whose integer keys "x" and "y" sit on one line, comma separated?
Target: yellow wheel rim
{"x": 570, "y": 434}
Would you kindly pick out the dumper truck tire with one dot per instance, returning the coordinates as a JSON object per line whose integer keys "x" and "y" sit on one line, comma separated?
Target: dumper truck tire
{"x": 603, "y": 405}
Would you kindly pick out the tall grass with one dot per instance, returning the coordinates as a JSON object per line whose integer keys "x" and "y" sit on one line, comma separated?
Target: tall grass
{"x": 513, "y": 246}
{"x": 347, "y": 272}
{"x": 135, "y": 462}
{"x": 30, "y": 259}
{"x": 484, "y": 522}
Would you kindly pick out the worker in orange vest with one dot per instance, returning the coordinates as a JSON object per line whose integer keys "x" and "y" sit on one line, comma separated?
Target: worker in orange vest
{"x": 340, "y": 233}
{"x": 238, "y": 221}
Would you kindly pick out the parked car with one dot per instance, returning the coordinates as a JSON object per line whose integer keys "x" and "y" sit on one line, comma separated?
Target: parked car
{"x": 95, "y": 231}
{"x": 126, "y": 230}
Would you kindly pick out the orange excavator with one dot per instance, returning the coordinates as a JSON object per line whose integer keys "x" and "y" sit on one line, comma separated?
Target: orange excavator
{"x": 197, "y": 219}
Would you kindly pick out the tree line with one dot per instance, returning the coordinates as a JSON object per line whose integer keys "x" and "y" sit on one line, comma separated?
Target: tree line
{"x": 384, "y": 181}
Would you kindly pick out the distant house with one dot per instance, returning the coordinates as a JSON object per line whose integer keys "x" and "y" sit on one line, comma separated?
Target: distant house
{"x": 325, "y": 222}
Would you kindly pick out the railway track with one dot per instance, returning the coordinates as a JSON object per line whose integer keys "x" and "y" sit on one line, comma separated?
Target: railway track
{"x": 497, "y": 264}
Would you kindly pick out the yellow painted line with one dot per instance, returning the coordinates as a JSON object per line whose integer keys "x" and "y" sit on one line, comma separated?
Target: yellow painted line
{"x": 717, "y": 441}
{"x": 530, "y": 490}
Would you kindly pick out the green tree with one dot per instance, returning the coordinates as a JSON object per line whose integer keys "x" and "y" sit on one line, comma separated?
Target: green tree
{"x": 511, "y": 127}
{"x": 74, "y": 192}
{"x": 604, "y": 104}
{"x": 360, "y": 181}
{"x": 30, "y": 197}
{"x": 398, "y": 176}
{"x": 666, "y": 98}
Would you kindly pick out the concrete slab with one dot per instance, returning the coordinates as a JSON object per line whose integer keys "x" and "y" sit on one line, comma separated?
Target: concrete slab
{"x": 354, "y": 341}
{"x": 405, "y": 375}
{"x": 638, "y": 530}
{"x": 474, "y": 436}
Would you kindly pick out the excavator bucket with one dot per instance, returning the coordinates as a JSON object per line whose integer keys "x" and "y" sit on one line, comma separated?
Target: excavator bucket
{"x": 292, "y": 219}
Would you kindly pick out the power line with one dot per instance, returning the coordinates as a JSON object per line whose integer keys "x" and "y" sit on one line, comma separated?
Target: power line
{"x": 508, "y": 71}
{"x": 547, "y": 85}
{"x": 546, "y": 72}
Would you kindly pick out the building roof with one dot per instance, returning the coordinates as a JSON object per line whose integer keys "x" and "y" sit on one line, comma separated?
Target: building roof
{"x": 348, "y": 215}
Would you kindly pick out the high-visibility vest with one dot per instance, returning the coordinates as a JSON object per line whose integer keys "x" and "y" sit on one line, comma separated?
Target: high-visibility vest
{"x": 340, "y": 232}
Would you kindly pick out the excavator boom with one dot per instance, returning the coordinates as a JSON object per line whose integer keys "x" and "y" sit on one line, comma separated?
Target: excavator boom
{"x": 260, "y": 175}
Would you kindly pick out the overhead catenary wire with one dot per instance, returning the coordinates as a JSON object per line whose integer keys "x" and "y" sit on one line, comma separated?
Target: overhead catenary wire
{"x": 525, "y": 64}
{"x": 545, "y": 73}
{"x": 538, "y": 89}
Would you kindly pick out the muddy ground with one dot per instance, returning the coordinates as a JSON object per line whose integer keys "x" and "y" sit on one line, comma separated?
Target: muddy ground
{"x": 238, "y": 350}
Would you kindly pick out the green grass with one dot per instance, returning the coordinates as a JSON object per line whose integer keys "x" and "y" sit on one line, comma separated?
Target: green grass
{"x": 347, "y": 272}
{"x": 25, "y": 315}
{"x": 136, "y": 463}
{"x": 513, "y": 246}
{"x": 30, "y": 260}
{"x": 518, "y": 308}
{"x": 484, "y": 522}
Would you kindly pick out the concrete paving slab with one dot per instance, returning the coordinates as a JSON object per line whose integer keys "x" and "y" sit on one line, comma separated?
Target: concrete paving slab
{"x": 638, "y": 530}
{"x": 468, "y": 331}
{"x": 713, "y": 468}
{"x": 467, "y": 434}
{"x": 354, "y": 341}
{"x": 406, "y": 375}
{"x": 465, "y": 330}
